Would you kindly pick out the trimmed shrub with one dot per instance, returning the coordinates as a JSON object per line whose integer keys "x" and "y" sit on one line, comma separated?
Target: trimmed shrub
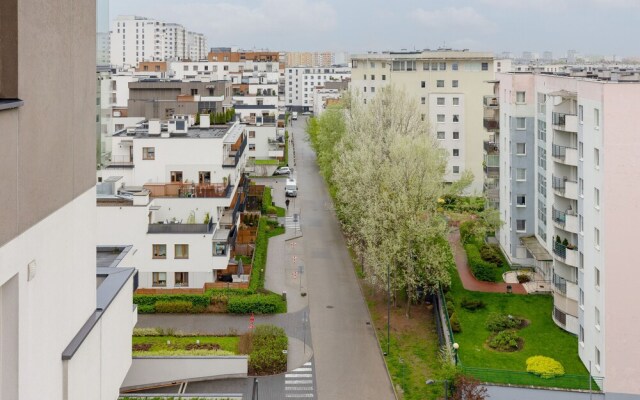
{"x": 266, "y": 200}
{"x": 455, "y": 323}
{"x": 256, "y": 303}
{"x": 502, "y": 322}
{"x": 505, "y": 341}
{"x": 146, "y": 308}
{"x": 544, "y": 367}
{"x": 266, "y": 356}
{"x": 482, "y": 270}
{"x": 489, "y": 254}
{"x": 523, "y": 278}
{"x": 450, "y": 307}
{"x": 175, "y": 306}
{"x": 198, "y": 300}
{"x": 271, "y": 210}
{"x": 472, "y": 305}
{"x": 466, "y": 231}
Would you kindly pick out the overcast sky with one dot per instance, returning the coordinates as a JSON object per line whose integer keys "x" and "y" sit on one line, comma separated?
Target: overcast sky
{"x": 604, "y": 27}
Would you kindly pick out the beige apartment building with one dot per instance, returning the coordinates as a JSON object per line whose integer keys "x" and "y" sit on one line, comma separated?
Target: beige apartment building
{"x": 449, "y": 87}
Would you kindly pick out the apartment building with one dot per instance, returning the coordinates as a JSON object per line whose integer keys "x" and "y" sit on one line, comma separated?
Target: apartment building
{"x": 569, "y": 162}
{"x": 266, "y": 136}
{"x": 448, "y": 87}
{"x": 65, "y": 324}
{"x": 135, "y": 39}
{"x": 235, "y": 55}
{"x": 173, "y": 192}
{"x": 327, "y": 94}
{"x": 300, "y": 83}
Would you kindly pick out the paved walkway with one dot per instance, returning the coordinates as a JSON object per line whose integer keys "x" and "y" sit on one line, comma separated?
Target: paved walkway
{"x": 468, "y": 280}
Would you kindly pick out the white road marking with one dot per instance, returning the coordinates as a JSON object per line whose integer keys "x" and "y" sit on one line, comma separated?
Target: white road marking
{"x": 309, "y": 388}
{"x": 302, "y": 370}
{"x": 299, "y": 395}
{"x": 299, "y": 382}
{"x": 297, "y": 375}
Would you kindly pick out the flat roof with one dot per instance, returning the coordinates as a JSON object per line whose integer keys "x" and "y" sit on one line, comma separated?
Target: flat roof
{"x": 536, "y": 249}
{"x": 251, "y": 106}
{"x": 194, "y": 132}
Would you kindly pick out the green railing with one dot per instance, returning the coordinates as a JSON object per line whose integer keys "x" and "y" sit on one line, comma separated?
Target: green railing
{"x": 521, "y": 378}
{"x": 443, "y": 304}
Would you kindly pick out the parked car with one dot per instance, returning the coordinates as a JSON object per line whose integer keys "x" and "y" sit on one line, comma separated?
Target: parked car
{"x": 283, "y": 171}
{"x": 306, "y": 113}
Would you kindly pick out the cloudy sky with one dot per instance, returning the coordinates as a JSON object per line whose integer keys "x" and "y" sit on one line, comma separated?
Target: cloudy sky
{"x": 603, "y": 27}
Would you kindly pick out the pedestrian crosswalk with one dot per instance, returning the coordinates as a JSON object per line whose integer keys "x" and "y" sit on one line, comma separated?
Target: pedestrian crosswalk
{"x": 292, "y": 222}
{"x": 298, "y": 384}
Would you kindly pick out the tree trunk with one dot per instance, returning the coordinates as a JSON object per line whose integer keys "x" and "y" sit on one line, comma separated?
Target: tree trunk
{"x": 408, "y": 312}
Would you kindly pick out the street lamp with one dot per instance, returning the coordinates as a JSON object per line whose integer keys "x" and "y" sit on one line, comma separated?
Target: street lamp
{"x": 446, "y": 386}
{"x": 456, "y": 346}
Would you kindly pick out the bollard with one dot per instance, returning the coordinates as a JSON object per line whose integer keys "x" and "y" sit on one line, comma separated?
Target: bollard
{"x": 284, "y": 295}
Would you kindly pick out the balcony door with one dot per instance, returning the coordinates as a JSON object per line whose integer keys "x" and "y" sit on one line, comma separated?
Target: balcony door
{"x": 176, "y": 176}
{"x": 204, "y": 177}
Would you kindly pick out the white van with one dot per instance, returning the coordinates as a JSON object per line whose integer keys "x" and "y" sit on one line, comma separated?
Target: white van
{"x": 294, "y": 115}
{"x": 291, "y": 188}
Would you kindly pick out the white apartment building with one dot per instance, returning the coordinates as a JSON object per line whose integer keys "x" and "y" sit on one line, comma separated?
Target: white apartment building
{"x": 448, "y": 87}
{"x": 265, "y": 136}
{"x": 568, "y": 170}
{"x": 300, "y": 83}
{"x": 65, "y": 321}
{"x": 320, "y": 98}
{"x": 135, "y": 39}
{"x": 234, "y": 71}
{"x": 174, "y": 194}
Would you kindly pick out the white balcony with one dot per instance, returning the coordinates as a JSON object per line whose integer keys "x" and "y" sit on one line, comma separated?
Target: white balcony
{"x": 276, "y": 153}
{"x": 567, "y": 221}
{"x": 571, "y": 123}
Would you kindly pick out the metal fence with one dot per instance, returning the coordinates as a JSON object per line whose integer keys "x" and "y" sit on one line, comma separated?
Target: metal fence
{"x": 521, "y": 378}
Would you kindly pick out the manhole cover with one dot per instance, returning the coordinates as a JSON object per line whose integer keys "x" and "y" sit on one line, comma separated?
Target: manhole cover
{"x": 329, "y": 306}
{"x": 368, "y": 323}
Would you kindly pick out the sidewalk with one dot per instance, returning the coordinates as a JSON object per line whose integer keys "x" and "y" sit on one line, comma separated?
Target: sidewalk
{"x": 468, "y": 280}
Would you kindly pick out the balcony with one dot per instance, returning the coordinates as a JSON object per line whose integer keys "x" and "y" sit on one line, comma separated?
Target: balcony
{"x": 120, "y": 161}
{"x": 491, "y": 147}
{"x": 565, "y": 155}
{"x": 565, "y": 220}
{"x": 491, "y": 101}
{"x": 237, "y": 149}
{"x": 564, "y": 187}
{"x": 172, "y": 227}
{"x": 181, "y": 189}
{"x": 566, "y": 254}
{"x": 491, "y": 124}
{"x": 565, "y": 122}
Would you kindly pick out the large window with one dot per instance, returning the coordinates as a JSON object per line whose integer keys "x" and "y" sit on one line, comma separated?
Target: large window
{"x": 409, "y": 65}
{"x": 521, "y": 123}
{"x": 520, "y": 97}
{"x": 181, "y": 279}
{"x": 521, "y": 225}
{"x": 148, "y": 153}
{"x": 160, "y": 251}
{"x": 176, "y": 176}
{"x": 159, "y": 279}
{"x": 219, "y": 248}
{"x": 181, "y": 251}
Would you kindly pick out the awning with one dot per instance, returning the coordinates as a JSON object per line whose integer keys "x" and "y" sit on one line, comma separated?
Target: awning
{"x": 536, "y": 249}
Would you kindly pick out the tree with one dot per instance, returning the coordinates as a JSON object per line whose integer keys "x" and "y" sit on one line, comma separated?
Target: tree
{"x": 468, "y": 388}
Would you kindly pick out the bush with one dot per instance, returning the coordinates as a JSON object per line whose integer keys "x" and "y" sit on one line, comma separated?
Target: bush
{"x": 146, "y": 332}
{"x": 455, "y": 323}
{"x": 175, "y": 306}
{"x": 448, "y": 296}
{"x": 271, "y": 210}
{"x": 266, "y": 200}
{"x": 466, "y": 231}
{"x": 482, "y": 270}
{"x": 502, "y": 322}
{"x": 505, "y": 341}
{"x": 472, "y": 305}
{"x": 266, "y": 345}
{"x": 256, "y": 303}
{"x": 544, "y": 367}
{"x": 523, "y": 278}
{"x": 146, "y": 309}
{"x": 197, "y": 300}
{"x": 450, "y": 307}
{"x": 489, "y": 254}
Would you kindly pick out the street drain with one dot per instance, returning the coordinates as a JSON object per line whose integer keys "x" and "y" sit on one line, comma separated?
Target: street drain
{"x": 329, "y": 306}
{"x": 368, "y": 323}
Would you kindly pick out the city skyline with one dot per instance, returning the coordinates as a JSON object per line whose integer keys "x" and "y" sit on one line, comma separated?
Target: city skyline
{"x": 481, "y": 25}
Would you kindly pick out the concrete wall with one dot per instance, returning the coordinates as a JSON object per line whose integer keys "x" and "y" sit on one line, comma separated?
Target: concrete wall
{"x": 149, "y": 371}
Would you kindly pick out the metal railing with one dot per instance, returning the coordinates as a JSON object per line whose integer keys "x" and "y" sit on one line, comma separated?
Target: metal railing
{"x": 521, "y": 378}
{"x": 491, "y": 101}
{"x": 559, "y": 119}
{"x": 560, "y": 284}
{"x": 559, "y": 217}
{"x": 491, "y": 123}
{"x": 180, "y": 228}
{"x": 491, "y": 147}
{"x": 232, "y": 160}
{"x": 558, "y": 183}
{"x": 560, "y": 152}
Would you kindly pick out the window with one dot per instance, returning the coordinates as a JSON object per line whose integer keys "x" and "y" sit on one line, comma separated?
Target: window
{"x": 596, "y": 317}
{"x": 596, "y": 118}
{"x": 521, "y": 149}
{"x": 485, "y": 66}
{"x": 423, "y": 100}
{"x": 160, "y": 251}
{"x": 521, "y": 174}
{"x": 456, "y": 169}
{"x": 440, "y": 118}
{"x": 521, "y": 123}
{"x": 521, "y": 200}
{"x": 181, "y": 279}
{"x": 581, "y": 224}
{"x": 194, "y": 92}
{"x": 454, "y": 83}
{"x": 596, "y": 198}
{"x": 596, "y": 158}
{"x": 422, "y": 117}
{"x": 456, "y": 152}
{"x": 176, "y": 176}
{"x": 456, "y": 101}
{"x": 372, "y": 64}
{"x": 596, "y": 237}
{"x": 365, "y": 77}
{"x": 423, "y": 84}
{"x": 454, "y": 66}
{"x": 160, "y": 279}
{"x": 443, "y": 66}
{"x": 456, "y": 135}
{"x": 373, "y": 90}
{"x": 148, "y": 153}
{"x": 580, "y": 114}
{"x": 440, "y": 83}
{"x": 384, "y": 77}
{"x": 365, "y": 89}
{"x": 182, "y": 251}
{"x": 373, "y": 77}
{"x": 581, "y": 298}
{"x": 598, "y": 358}
{"x": 596, "y": 277}
{"x": 580, "y": 151}
{"x": 440, "y": 135}
{"x": 520, "y": 97}
{"x": 456, "y": 118}
{"x": 252, "y": 134}
{"x": 252, "y": 146}
{"x": 581, "y": 187}
{"x": 440, "y": 101}
{"x": 219, "y": 248}
{"x": 581, "y": 335}
{"x": 185, "y": 68}
{"x": 434, "y": 66}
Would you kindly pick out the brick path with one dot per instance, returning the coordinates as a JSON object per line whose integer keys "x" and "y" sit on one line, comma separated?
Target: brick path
{"x": 468, "y": 280}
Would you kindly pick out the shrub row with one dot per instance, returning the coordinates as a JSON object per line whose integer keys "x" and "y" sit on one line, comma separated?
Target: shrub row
{"x": 196, "y": 300}
{"x": 482, "y": 270}
{"x": 178, "y": 306}
{"x": 266, "y": 200}
{"x": 256, "y": 303}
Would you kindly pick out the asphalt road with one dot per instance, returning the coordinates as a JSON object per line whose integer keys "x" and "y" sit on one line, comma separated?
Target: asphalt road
{"x": 348, "y": 361}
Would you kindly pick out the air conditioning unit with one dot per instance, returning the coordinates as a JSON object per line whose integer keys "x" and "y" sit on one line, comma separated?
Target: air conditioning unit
{"x": 177, "y": 126}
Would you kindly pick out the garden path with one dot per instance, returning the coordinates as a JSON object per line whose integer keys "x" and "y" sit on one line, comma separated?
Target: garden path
{"x": 468, "y": 280}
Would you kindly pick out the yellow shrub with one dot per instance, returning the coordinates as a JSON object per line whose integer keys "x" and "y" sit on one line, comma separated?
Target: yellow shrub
{"x": 545, "y": 367}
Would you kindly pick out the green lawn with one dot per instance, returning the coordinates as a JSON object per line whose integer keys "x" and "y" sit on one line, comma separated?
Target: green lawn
{"x": 281, "y": 211}
{"x": 267, "y": 162}
{"x": 541, "y": 337}
{"x": 228, "y": 345}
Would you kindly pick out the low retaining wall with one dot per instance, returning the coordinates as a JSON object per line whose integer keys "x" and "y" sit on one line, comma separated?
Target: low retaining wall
{"x": 152, "y": 371}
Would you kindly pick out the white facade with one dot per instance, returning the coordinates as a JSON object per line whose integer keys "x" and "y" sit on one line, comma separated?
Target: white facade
{"x": 300, "y": 83}
{"x": 197, "y": 45}
{"x": 236, "y": 72}
{"x": 320, "y": 97}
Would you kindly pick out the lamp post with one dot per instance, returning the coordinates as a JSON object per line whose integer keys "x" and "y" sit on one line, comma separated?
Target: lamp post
{"x": 456, "y": 346}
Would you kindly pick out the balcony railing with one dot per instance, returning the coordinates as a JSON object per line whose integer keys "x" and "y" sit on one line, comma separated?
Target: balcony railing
{"x": 559, "y": 183}
{"x": 491, "y": 101}
{"x": 231, "y": 161}
{"x": 559, "y": 217}
{"x": 491, "y": 147}
{"x": 491, "y": 124}
{"x": 180, "y": 189}
{"x": 170, "y": 227}
{"x": 560, "y": 284}
{"x": 564, "y": 121}
{"x": 560, "y": 249}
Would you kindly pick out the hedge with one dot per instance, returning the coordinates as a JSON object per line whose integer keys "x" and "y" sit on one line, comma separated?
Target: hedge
{"x": 146, "y": 308}
{"x": 197, "y": 300}
{"x": 256, "y": 303}
{"x": 267, "y": 344}
{"x": 482, "y": 270}
{"x": 266, "y": 200}
{"x": 260, "y": 254}
{"x": 176, "y": 306}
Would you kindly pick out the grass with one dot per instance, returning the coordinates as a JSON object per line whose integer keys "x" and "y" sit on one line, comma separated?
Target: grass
{"x": 267, "y": 162}
{"x": 541, "y": 337}
{"x": 281, "y": 211}
{"x": 228, "y": 345}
